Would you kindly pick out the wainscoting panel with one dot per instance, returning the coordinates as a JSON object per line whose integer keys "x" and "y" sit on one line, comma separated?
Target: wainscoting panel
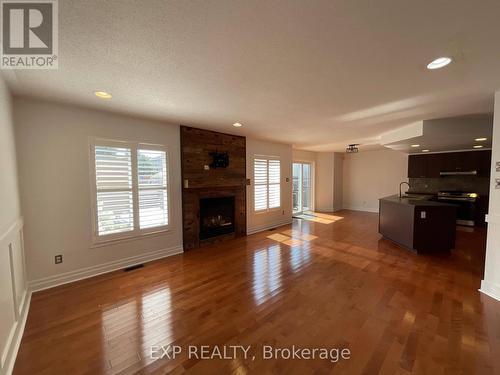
{"x": 14, "y": 297}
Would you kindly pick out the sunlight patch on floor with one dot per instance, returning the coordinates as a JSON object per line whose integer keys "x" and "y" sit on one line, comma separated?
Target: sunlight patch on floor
{"x": 292, "y": 237}
{"x": 319, "y": 217}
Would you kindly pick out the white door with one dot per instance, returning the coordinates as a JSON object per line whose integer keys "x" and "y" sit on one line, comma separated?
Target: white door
{"x": 302, "y": 187}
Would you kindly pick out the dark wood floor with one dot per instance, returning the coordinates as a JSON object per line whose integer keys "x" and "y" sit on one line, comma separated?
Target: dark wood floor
{"x": 333, "y": 283}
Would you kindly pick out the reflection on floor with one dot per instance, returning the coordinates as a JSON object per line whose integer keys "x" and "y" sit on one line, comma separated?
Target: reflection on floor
{"x": 319, "y": 217}
{"x": 311, "y": 284}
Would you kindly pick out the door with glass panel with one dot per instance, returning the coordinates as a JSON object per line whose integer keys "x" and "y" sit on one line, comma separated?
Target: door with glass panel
{"x": 302, "y": 186}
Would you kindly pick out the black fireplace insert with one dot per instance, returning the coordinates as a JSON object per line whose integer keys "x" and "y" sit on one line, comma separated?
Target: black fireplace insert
{"x": 216, "y": 216}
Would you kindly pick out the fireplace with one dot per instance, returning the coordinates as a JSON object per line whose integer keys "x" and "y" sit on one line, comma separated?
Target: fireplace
{"x": 213, "y": 194}
{"x": 216, "y": 217}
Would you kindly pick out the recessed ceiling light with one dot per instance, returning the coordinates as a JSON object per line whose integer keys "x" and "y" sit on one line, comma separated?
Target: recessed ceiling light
{"x": 425, "y": 150}
{"x": 415, "y": 145}
{"x": 438, "y": 63}
{"x": 237, "y": 125}
{"x": 478, "y": 146}
{"x": 103, "y": 94}
{"x": 481, "y": 139}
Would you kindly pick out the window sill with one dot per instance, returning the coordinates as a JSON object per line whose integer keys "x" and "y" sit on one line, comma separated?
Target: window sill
{"x": 102, "y": 243}
{"x": 267, "y": 211}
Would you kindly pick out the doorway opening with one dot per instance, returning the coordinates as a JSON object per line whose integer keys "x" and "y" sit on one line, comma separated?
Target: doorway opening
{"x": 302, "y": 188}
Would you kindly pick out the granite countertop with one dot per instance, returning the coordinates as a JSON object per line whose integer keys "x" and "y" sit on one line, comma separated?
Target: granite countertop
{"x": 422, "y": 201}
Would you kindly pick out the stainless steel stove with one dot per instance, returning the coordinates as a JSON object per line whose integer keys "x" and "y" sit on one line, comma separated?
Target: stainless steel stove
{"x": 465, "y": 202}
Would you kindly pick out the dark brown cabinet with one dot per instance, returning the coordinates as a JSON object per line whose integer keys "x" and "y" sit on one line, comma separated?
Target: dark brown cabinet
{"x": 417, "y": 166}
{"x": 420, "y": 225}
{"x": 431, "y": 165}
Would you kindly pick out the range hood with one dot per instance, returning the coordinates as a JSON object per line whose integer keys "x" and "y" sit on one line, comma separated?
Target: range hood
{"x": 458, "y": 173}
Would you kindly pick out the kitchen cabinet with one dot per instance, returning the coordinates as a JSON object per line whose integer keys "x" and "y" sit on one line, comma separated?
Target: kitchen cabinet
{"x": 418, "y": 224}
{"x": 417, "y": 166}
{"x": 430, "y": 165}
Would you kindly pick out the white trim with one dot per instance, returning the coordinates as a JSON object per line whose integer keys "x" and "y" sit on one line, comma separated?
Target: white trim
{"x": 360, "y": 208}
{"x": 130, "y": 238}
{"x": 313, "y": 183}
{"x": 267, "y": 184}
{"x": 493, "y": 218}
{"x": 264, "y": 227}
{"x": 15, "y": 226}
{"x": 12, "y": 346}
{"x": 490, "y": 289}
{"x": 136, "y": 232}
{"x": 87, "y": 272}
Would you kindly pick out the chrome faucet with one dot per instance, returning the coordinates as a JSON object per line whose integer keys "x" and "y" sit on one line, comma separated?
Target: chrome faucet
{"x": 401, "y": 184}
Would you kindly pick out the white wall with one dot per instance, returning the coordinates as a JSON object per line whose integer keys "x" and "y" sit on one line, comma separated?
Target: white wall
{"x": 491, "y": 283}
{"x": 324, "y": 181}
{"x": 258, "y": 221}
{"x": 338, "y": 181}
{"x": 370, "y": 175}
{"x": 54, "y": 171}
{"x": 13, "y": 291}
{"x": 304, "y": 156}
{"x": 327, "y": 169}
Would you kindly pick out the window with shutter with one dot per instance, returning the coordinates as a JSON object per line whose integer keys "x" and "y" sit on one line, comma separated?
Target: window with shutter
{"x": 152, "y": 174}
{"x": 113, "y": 172}
{"x": 267, "y": 183}
{"x": 131, "y": 189}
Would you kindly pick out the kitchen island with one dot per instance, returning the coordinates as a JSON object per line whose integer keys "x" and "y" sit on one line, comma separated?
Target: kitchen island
{"x": 417, "y": 223}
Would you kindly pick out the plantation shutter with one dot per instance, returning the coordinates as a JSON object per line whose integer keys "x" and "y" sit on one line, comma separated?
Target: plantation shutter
{"x": 152, "y": 188}
{"x": 267, "y": 187}
{"x": 274, "y": 183}
{"x": 113, "y": 172}
{"x": 260, "y": 184}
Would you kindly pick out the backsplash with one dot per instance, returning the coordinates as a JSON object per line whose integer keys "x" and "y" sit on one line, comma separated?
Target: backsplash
{"x": 471, "y": 184}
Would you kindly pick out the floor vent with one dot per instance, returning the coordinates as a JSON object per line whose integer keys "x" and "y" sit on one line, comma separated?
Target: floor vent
{"x": 131, "y": 268}
{"x": 271, "y": 229}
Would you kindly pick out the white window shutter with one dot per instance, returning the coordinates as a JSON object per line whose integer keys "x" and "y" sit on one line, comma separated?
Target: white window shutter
{"x": 260, "y": 184}
{"x": 113, "y": 172}
{"x": 152, "y": 185}
{"x": 266, "y": 183}
{"x": 274, "y": 183}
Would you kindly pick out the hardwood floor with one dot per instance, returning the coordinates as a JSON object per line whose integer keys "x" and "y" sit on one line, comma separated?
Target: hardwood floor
{"x": 328, "y": 283}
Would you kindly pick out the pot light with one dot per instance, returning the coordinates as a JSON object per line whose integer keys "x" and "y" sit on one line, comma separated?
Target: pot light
{"x": 425, "y": 150}
{"x": 237, "y": 125}
{"x": 415, "y": 145}
{"x": 481, "y": 139}
{"x": 478, "y": 146}
{"x": 103, "y": 94}
{"x": 438, "y": 63}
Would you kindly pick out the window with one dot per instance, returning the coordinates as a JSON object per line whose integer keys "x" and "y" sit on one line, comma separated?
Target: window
{"x": 266, "y": 183}
{"x": 131, "y": 189}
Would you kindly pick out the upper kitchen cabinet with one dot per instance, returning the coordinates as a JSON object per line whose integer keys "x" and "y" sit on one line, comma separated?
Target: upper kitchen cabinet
{"x": 417, "y": 166}
{"x": 449, "y": 163}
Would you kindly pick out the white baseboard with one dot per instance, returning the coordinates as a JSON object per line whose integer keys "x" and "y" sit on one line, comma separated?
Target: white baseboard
{"x": 361, "y": 208}
{"x": 262, "y": 228}
{"x": 18, "y": 330}
{"x": 324, "y": 209}
{"x": 490, "y": 289}
{"x": 84, "y": 273}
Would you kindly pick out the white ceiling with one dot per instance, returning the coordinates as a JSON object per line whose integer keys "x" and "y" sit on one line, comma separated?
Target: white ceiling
{"x": 316, "y": 74}
{"x": 448, "y": 134}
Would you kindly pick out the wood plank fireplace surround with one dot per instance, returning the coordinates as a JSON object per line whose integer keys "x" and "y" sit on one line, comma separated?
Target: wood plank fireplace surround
{"x": 213, "y": 198}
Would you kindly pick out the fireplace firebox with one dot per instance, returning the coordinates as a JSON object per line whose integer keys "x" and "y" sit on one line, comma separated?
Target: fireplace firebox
{"x": 216, "y": 217}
